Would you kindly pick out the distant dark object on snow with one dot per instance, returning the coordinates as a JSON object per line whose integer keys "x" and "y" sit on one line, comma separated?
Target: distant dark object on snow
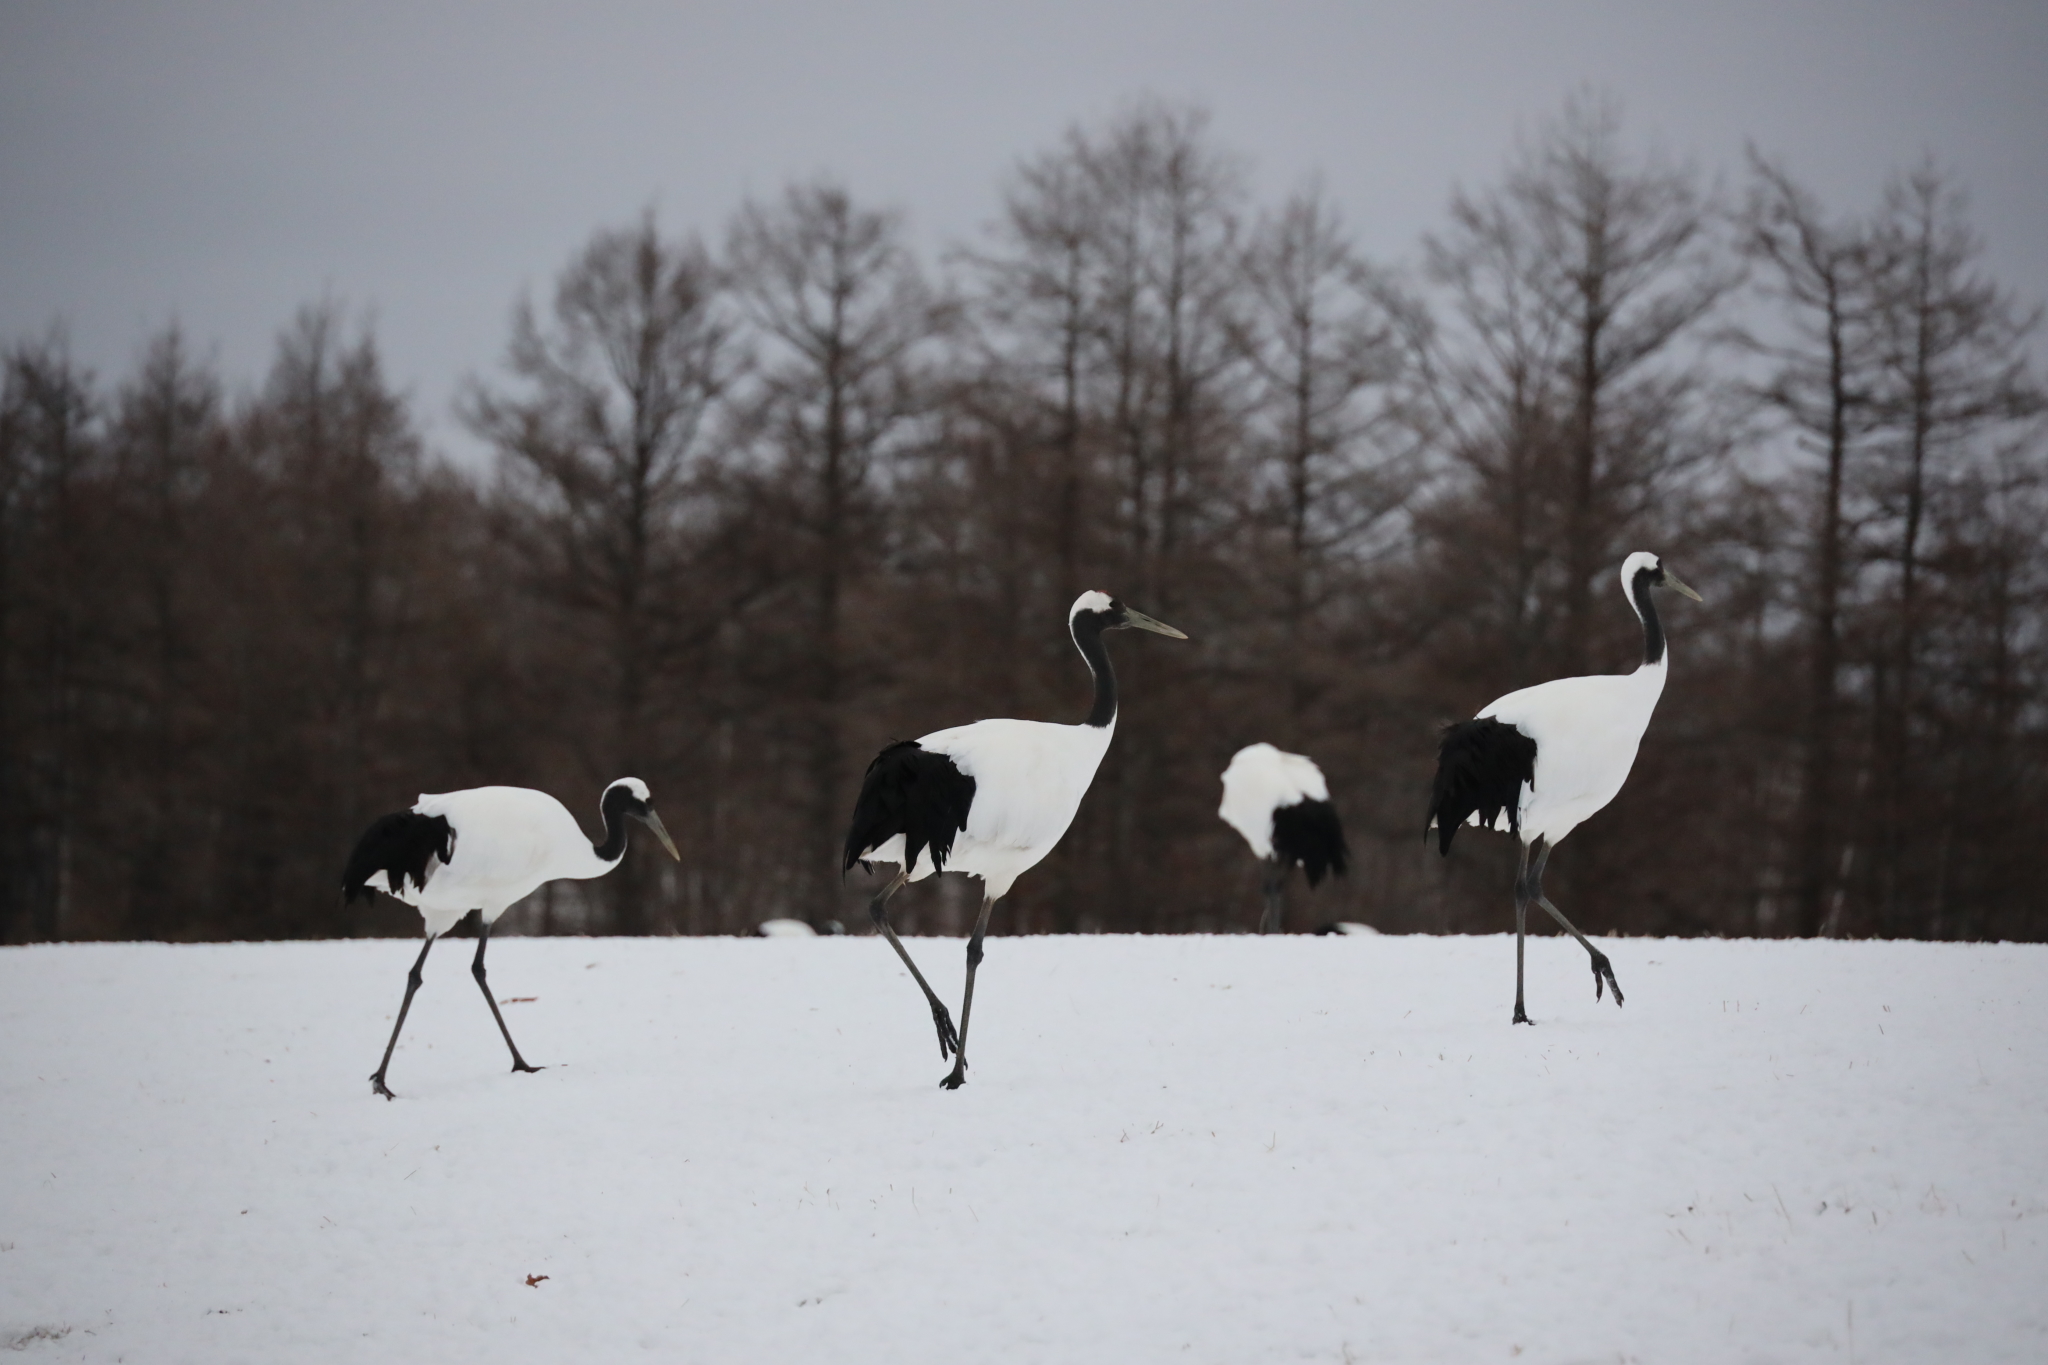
{"x": 1346, "y": 926}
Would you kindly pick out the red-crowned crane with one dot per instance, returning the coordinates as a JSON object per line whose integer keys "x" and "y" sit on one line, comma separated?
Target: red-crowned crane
{"x": 482, "y": 850}
{"x": 1279, "y": 802}
{"x": 1539, "y": 761}
{"x": 989, "y": 799}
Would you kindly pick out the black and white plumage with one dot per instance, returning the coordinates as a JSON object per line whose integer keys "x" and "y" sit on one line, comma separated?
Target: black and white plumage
{"x": 989, "y": 799}
{"x": 1539, "y": 761}
{"x": 483, "y": 850}
{"x": 1281, "y": 805}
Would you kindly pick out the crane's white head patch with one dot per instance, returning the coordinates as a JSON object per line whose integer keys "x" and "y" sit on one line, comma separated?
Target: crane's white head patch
{"x": 1092, "y": 601}
{"x": 1635, "y": 564}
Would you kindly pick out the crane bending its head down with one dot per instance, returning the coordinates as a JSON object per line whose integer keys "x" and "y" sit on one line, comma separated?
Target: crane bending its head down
{"x": 1281, "y": 805}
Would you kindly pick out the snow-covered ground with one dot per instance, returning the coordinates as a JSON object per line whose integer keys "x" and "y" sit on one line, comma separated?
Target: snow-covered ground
{"x": 1171, "y": 1149}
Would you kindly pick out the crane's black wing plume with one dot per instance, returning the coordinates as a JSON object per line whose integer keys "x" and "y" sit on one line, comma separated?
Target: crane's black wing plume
{"x": 399, "y": 846}
{"x": 915, "y": 793}
{"x": 1307, "y": 832}
{"x": 1480, "y": 766}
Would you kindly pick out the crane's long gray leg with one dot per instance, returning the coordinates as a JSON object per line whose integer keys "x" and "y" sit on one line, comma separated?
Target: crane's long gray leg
{"x": 412, "y": 983}
{"x": 942, "y": 1020}
{"x": 1522, "y": 885}
{"x": 1276, "y": 892}
{"x": 476, "y": 969}
{"x": 959, "y": 1076}
{"x": 1601, "y": 966}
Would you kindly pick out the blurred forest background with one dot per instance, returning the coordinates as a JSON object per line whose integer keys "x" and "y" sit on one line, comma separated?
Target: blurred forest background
{"x": 771, "y": 496}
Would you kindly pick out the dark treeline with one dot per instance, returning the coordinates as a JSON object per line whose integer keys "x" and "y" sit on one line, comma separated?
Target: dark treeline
{"x": 764, "y": 502}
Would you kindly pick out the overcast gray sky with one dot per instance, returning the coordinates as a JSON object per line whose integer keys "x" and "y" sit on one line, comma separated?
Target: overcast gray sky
{"x": 223, "y": 163}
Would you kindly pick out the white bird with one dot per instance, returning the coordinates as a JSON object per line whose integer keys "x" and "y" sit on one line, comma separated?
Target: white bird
{"x": 1539, "y": 761}
{"x": 1279, "y": 802}
{"x": 482, "y": 850}
{"x": 989, "y": 799}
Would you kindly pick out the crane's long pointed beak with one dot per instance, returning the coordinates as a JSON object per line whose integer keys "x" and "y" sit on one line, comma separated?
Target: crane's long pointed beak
{"x": 654, "y": 823}
{"x": 1671, "y": 581}
{"x": 1144, "y": 622}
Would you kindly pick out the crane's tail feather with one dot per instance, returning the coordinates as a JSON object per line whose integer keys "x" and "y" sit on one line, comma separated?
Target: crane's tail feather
{"x": 1308, "y": 832}
{"x": 1481, "y": 768}
{"x": 402, "y": 846}
{"x": 914, "y": 792}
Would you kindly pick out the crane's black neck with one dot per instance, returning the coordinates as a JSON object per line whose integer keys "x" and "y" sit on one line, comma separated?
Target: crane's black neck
{"x": 1088, "y": 637}
{"x": 1646, "y": 607}
{"x": 616, "y": 801}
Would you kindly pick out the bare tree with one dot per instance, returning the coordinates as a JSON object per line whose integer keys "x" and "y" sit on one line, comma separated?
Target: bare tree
{"x": 49, "y": 438}
{"x": 1982, "y": 669}
{"x": 616, "y": 407}
{"x": 1578, "y": 280}
{"x": 205, "y": 708}
{"x": 843, "y": 310}
{"x": 1168, "y": 394}
{"x": 1322, "y": 332}
{"x": 1169, "y": 204}
{"x": 755, "y": 515}
{"x": 1564, "y": 383}
{"x": 1956, "y": 376}
{"x": 1626, "y": 259}
{"x": 168, "y": 433}
{"x": 337, "y": 440}
{"x": 1035, "y": 324}
{"x": 1485, "y": 365}
{"x": 1823, "y": 381}
{"x": 317, "y": 618}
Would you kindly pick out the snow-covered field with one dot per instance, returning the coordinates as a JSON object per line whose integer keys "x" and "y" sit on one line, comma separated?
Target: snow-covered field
{"x": 1171, "y": 1149}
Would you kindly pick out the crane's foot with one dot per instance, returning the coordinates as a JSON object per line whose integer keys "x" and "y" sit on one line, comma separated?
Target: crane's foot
{"x": 949, "y": 1040}
{"x": 377, "y": 1086}
{"x": 958, "y": 1076}
{"x": 1603, "y": 968}
{"x": 1522, "y": 1016}
{"x": 520, "y": 1064}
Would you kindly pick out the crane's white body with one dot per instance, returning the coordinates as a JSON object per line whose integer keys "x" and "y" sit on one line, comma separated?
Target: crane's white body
{"x": 1029, "y": 778}
{"x": 1260, "y": 780}
{"x": 509, "y": 841}
{"x": 1587, "y": 731}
